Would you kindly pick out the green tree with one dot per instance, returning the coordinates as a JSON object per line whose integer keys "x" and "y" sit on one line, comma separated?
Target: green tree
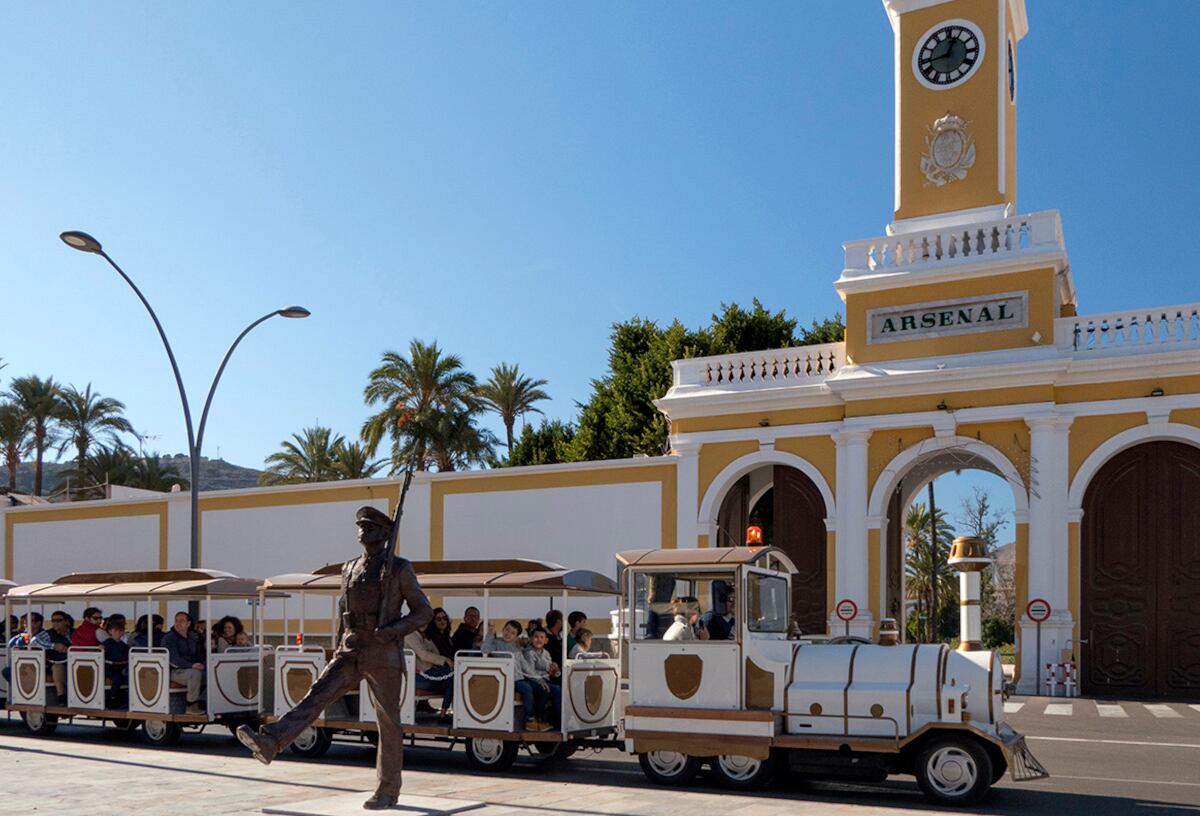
{"x": 925, "y": 564}
{"x": 37, "y": 399}
{"x": 997, "y": 590}
{"x": 511, "y": 394}
{"x": 15, "y": 440}
{"x": 409, "y": 391}
{"x": 152, "y": 473}
{"x": 86, "y": 417}
{"x": 736, "y": 329}
{"x": 829, "y": 330}
{"x": 547, "y": 444}
{"x": 311, "y": 457}
{"x": 108, "y": 465}
{"x": 455, "y": 440}
{"x": 350, "y": 461}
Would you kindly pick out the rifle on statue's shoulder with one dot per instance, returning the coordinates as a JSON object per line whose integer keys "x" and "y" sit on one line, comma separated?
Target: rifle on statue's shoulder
{"x": 385, "y": 576}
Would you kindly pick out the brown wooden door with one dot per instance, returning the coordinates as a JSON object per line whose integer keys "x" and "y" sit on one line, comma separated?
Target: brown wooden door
{"x": 799, "y": 520}
{"x": 1141, "y": 574}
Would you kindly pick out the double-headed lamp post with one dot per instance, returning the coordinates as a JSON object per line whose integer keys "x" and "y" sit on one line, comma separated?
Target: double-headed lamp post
{"x": 86, "y": 243}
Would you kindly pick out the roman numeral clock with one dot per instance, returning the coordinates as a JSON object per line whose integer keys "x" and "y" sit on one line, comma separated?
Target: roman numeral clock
{"x": 948, "y": 53}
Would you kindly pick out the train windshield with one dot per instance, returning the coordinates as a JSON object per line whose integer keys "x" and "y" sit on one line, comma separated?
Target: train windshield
{"x": 766, "y": 603}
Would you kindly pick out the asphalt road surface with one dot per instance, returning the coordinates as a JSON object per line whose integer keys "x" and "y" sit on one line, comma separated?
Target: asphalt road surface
{"x": 1106, "y": 758}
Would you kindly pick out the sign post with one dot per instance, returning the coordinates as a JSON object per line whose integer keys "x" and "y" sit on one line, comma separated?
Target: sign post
{"x": 846, "y": 610}
{"x": 1037, "y": 611}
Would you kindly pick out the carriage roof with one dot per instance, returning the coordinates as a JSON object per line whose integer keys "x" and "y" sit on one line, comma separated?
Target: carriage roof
{"x": 171, "y": 583}
{"x": 720, "y": 557}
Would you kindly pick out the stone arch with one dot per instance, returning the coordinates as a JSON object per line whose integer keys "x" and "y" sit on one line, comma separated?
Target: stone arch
{"x": 720, "y": 485}
{"x": 1170, "y": 431}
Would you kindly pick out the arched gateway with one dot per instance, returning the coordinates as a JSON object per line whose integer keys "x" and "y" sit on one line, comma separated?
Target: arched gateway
{"x": 1140, "y": 570}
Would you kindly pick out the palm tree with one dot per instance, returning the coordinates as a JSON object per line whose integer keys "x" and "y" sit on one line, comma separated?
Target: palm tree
{"x": 511, "y": 394}
{"x": 923, "y": 566}
{"x": 409, "y": 389}
{"x": 152, "y": 473}
{"x": 350, "y": 461}
{"x": 312, "y": 457}
{"x": 456, "y": 442}
{"x": 37, "y": 399}
{"x": 87, "y": 417}
{"x": 15, "y": 442}
{"x": 106, "y": 465}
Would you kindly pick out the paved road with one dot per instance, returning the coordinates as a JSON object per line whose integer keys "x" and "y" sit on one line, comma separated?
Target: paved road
{"x": 1145, "y": 762}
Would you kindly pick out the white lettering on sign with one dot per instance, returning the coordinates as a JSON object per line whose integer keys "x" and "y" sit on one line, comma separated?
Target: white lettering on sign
{"x": 888, "y": 324}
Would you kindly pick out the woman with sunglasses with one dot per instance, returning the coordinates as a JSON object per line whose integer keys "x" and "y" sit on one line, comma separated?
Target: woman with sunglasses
{"x": 435, "y": 659}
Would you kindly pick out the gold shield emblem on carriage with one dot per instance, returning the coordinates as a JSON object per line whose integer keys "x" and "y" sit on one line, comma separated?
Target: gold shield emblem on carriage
{"x": 593, "y": 693}
{"x": 247, "y": 682}
{"x": 683, "y": 673}
{"x": 483, "y": 692}
{"x": 297, "y": 680}
{"x": 149, "y": 684}
{"x": 27, "y": 677}
{"x": 85, "y": 681}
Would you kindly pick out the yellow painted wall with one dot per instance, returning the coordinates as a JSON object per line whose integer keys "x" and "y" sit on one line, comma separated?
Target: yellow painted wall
{"x": 874, "y": 577}
{"x": 953, "y": 400}
{"x": 884, "y": 446}
{"x": 802, "y": 416}
{"x": 83, "y": 511}
{"x": 1090, "y": 432}
{"x": 715, "y": 457}
{"x": 1186, "y": 416}
{"x": 821, "y": 451}
{"x": 1010, "y": 438}
{"x": 1043, "y": 309}
{"x": 974, "y": 101}
{"x": 1130, "y": 389}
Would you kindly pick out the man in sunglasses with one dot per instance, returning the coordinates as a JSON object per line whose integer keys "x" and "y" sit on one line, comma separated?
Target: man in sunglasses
{"x": 90, "y": 631}
{"x": 56, "y": 640}
{"x": 370, "y": 645}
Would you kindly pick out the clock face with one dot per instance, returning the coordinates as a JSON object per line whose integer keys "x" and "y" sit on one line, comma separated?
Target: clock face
{"x": 948, "y": 54}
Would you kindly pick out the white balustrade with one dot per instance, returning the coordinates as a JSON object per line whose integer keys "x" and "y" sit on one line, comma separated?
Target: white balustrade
{"x": 987, "y": 240}
{"x": 800, "y": 365}
{"x": 1169, "y": 328}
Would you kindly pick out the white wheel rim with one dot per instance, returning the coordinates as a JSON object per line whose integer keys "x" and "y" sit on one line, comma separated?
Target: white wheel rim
{"x": 307, "y": 739}
{"x": 951, "y": 771}
{"x": 155, "y": 729}
{"x": 738, "y": 768}
{"x": 667, "y": 763}
{"x": 487, "y": 750}
{"x": 35, "y": 719}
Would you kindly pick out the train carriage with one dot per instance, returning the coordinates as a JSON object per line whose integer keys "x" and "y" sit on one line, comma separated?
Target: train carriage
{"x": 5, "y": 586}
{"x": 148, "y": 698}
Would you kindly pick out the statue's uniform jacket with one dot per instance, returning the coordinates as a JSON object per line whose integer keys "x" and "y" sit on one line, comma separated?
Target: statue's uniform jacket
{"x": 370, "y": 646}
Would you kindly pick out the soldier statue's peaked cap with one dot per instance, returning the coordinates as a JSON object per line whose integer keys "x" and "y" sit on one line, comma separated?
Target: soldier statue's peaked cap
{"x": 369, "y": 513}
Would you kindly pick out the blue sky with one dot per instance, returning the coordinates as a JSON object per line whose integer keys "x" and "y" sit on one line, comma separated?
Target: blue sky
{"x": 510, "y": 179}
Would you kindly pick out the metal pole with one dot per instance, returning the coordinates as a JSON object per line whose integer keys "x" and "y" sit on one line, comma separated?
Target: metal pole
{"x": 1038, "y": 687}
{"x": 933, "y": 556}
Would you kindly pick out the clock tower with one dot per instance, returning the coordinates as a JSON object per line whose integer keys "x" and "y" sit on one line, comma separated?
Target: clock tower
{"x": 956, "y": 94}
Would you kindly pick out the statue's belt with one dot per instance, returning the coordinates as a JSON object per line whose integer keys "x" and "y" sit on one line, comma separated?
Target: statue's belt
{"x": 360, "y": 620}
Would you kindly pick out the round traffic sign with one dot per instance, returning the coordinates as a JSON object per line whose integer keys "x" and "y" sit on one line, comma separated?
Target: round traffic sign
{"x": 846, "y": 610}
{"x": 1038, "y": 610}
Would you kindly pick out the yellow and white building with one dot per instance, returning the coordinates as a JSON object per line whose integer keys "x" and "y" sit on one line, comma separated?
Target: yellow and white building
{"x": 963, "y": 349}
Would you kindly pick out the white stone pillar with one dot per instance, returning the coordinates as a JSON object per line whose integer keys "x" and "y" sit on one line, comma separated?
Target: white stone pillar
{"x": 687, "y": 498}
{"x": 1048, "y": 548}
{"x": 850, "y": 563}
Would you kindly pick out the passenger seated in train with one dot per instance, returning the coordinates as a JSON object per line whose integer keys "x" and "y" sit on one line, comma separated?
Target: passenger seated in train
{"x": 186, "y": 650}
{"x": 116, "y": 660}
{"x": 719, "y": 621}
{"x": 139, "y": 634}
{"x": 56, "y": 640}
{"x": 554, "y": 634}
{"x": 14, "y": 627}
{"x": 687, "y": 625}
{"x": 534, "y": 667}
{"x": 22, "y": 637}
{"x": 575, "y": 621}
{"x": 225, "y": 633}
{"x": 583, "y": 643}
{"x": 242, "y": 639}
{"x": 435, "y": 658}
{"x": 90, "y": 631}
{"x": 508, "y": 641}
{"x": 469, "y": 634}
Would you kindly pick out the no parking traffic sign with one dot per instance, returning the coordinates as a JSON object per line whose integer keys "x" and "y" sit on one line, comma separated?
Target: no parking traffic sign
{"x": 1038, "y": 610}
{"x": 846, "y": 610}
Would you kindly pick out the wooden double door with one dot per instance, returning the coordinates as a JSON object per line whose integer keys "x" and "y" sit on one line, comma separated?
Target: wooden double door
{"x": 1140, "y": 565}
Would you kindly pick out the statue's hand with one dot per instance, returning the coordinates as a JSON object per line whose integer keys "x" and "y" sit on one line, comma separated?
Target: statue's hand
{"x": 350, "y": 641}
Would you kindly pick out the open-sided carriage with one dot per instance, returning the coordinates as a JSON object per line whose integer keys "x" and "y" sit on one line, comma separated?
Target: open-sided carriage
{"x": 5, "y": 586}
{"x": 487, "y": 714}
{"x": 146, "y": 696}
{"x": 757, "y": 703}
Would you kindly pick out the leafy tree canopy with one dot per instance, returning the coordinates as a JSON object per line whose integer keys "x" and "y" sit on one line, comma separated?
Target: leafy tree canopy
{"x": 547, "y": 444}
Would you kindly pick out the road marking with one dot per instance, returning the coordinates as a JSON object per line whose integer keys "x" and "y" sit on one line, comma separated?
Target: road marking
{"x": 1138, "y": 781}
{"x": 1195, "y": 706}
{"x": 1110, "y": 710}
{"x": 1161, "y": 710}
{"x": 1116, "y": 742}
{"x": 1013, "y": 708}
{"x": 1060, "y": 709}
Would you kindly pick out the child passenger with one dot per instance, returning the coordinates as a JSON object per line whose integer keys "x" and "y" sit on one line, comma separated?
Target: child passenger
{"x": 536, "y": 669}
{"x": 583, "y": 642}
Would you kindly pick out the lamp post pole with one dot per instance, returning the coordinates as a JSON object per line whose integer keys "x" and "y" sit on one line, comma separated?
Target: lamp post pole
{"x": 86, "y": 243}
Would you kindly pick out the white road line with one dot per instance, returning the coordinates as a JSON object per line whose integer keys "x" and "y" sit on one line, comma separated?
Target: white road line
{"x": 1128, "y": 781}
{"x": 1117, "y": 742}
{"x": 1060, "y": 709}
{"x": 1013, "y": 708}
{"x": 1195, "y": 706}
{"x": 1160, "y": 710}
{"x": 1110, "y": 710}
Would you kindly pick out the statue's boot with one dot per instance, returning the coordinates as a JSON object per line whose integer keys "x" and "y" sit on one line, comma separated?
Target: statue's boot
{"x": 262, "y": 745}
{"x": 379, "y": 801}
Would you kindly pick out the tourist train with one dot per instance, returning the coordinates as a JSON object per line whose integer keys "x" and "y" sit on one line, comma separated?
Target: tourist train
{"x": 666, "y": 691}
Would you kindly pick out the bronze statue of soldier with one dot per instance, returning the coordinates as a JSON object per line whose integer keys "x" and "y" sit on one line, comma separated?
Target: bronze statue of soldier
{"x": 370, "y": 644}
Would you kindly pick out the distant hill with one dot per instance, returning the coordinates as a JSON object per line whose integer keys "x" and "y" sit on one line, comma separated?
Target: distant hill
{"x": 215, "y": 474}
{"x": 1006, "y": 554}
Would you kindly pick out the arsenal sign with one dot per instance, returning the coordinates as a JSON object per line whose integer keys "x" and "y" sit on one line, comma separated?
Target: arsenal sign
{"x": 948, "y": 317}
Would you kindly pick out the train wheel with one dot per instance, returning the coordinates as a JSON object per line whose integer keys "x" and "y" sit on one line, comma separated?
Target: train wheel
{"x": 161, "y": 733}
{"x": 669, "y": 767}
{"x": 486, "y": 754}
{"x": 743, "y": 772}
{"x": 39, "y": 723}
{"x": 954, "y": 771}
{"x": 312, "y": 742}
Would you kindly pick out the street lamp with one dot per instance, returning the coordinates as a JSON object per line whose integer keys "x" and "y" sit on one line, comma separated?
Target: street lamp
{"x": 86, "y": 243}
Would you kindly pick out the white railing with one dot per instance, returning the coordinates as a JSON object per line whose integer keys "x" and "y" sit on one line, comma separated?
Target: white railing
{"x": 987, "y": 240}
{"x": 1168, "y": 328}
{"x": 801, "y": 365}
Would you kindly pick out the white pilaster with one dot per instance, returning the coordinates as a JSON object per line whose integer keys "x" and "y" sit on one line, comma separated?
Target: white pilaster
{"x": 1048, "y": 545}
{"x": 851, "y": 562}
{"x": 687, "y": 497}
